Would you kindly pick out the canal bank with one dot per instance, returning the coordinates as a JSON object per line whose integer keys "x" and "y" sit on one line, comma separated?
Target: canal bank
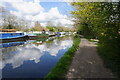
{"x": 64, "y": 63}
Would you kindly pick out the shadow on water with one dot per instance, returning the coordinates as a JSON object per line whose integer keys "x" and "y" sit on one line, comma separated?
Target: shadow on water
{"x": 32, "y": 58}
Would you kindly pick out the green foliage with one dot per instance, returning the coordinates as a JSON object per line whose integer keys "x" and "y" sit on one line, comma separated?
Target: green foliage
{"x": 36, "y": 28}
{"x": 59, "y": 28}
{"x": 96, "y": 19}
{"x": 9, "y": 27}
{"x": 63, "y": 65}
{"x": 110, "y": 57}
{"x": 50, "y": 28}
{"x": 17, "y": 28}
{"x": 101, "y": 20}
{"x": 26, "y": 30}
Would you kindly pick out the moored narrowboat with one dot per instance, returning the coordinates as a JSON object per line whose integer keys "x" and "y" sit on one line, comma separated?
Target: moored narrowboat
{"x": 37, "y": 35}
{"x": 13, "y": 36}
{"x": 50, "y": 33}
{"x": 7, "y": 35}
{"x": 58, "y": 33}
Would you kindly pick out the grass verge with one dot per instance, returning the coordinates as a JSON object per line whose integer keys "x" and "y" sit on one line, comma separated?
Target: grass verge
{"x": 63, "y": 64}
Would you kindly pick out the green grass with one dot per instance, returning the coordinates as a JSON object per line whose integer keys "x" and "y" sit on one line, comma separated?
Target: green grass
{"x": 111, "y": 57}
{"x": 64, "y": 63}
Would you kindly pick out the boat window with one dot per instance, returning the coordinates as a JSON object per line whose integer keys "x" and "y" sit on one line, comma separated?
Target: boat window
{"x": 15, "y": 34}
{"x": 11, "y": 34}
{"x": 20, "y": 33}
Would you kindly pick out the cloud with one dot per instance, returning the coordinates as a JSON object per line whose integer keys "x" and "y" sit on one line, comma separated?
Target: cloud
{"x": 52, "y": 15}
{"x": 32, "y": 11}
{"x": 25, "y": 7}
{"x": 29, "y": 8}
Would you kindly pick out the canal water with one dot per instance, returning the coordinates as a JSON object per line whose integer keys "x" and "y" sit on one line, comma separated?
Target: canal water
{"x": 32, "y": 58}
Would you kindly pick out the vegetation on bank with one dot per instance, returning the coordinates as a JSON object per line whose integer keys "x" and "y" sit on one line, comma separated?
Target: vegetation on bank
{"x": 110, "y": 57}
{"x": 63, "y": 64}
{"x": 101, "y": 20}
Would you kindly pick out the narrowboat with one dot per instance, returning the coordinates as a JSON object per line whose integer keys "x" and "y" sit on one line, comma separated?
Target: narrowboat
{"x": 7, "y": 35}
{"x": 63, "y": 33}
{"x": 13, "y": 36}
{"x": 37, "y": 35}
{"x": 34, "y": 33}
{"x": 50, "y": 33}
{"x": 44, "y": 33}
{"x": 58, "y": 33}
{"x": 67, "y": 33}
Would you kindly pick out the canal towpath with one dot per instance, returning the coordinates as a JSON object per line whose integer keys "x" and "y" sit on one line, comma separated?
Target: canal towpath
{"x": 87, "y": 63}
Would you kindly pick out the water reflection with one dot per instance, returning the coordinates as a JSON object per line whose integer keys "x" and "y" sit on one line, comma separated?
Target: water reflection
{"x": 36, "y": 51}
{"x": 3, "y": 45}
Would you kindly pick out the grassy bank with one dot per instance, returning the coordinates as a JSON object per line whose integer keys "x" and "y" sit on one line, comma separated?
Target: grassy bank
{"x": 63, "y": 64}
{"x": 111, "y": 57}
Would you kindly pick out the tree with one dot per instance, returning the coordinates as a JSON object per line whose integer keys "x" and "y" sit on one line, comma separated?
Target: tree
{"x": 50, "y": 24}
{"x": 37, "y": 24}
{"x": 10, "y": 21}
{"x": 37, "y": 27}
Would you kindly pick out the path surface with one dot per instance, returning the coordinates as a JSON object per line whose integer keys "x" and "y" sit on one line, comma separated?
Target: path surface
{"x": 87, "y": 64}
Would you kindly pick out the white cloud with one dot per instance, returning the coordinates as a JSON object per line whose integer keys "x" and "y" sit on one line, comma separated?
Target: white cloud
{"x": 28, "y": 7}
{"x": 18, "y": 14}
{"x": 36, "y": 0}
{"x": 33, "y": 11}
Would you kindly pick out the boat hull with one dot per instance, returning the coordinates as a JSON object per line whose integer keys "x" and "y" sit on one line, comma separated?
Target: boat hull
{"x": 23, "y": 38}
{"x": 37, "y": 37}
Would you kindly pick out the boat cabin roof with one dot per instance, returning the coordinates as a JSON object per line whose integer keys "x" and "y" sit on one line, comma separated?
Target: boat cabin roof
{"x": 7, "y": 30}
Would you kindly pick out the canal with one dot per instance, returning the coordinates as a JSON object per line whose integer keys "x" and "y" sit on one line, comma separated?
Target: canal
{"x": 32, "y": 58}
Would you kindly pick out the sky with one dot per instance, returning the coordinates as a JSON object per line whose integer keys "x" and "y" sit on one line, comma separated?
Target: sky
{"x": 39, "y": 10}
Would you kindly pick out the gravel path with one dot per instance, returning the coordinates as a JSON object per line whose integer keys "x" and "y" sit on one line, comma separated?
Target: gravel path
{"x": 87, "y": 64}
